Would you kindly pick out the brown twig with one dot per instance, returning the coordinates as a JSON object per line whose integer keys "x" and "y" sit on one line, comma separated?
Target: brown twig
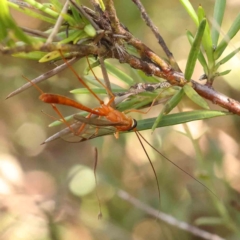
{"x": 114, "y": 21}
{"x": 58, "y": 23}
{"x": 38, "y": 33}
{"x": 156, "y": 33}
{"x": 217, "y": 98}
{"x": 106, "y": 79}
{"x": 85, "y": 14}
{"x": 145, "y": 52}
{"x": 42, "y": 77}
{"x": 144, "y": 87}
{"x": 173, "y": 77}
{"x": 148, "y": 61}
{"x": 167, "y": 218}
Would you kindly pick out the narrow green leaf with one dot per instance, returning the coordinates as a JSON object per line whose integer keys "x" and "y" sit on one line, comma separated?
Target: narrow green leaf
{"x": 172, "y": 103}
{"x": 57, "y": 5}
{"x": 3, "y": 32}
{"x": 50, "y": 56}
{"x": 36, "y": 55}
{"x": 193, "y": 55}
{"x": 128, "y": 104}
{"x": 90, "y": 79}
{"x": 72, "y": 36}
{"x": 102, "y": 6}
{"x": 95, "y": 90}
{"x": 83, "y": 35}
{"x": 223, "y": 73}
{"x": 188, "y": 6}
{"x": 62, "y": 34}
{"x": 113, "y": 71}
{"x": 137, "y": 105}
{"x": 4, "y": 16}
{"x": 71, "y": 21}
{"x": 76, "y": 15}
{"x": 93, "y": 63}
{"x": 140, "y": 76}
{"x": 119, "y": 74}
{"x": 192, "y": 94}
{"x": 219, "y": 9}
{"x": 32, "y": 13}
{"x": 209, "y": 221}
{"x": 227, "y": 58}
{"x": 53, "y": 55}
{"x": 201, "y": 13}
{"x": 178, "y": 118}
{"x": 43, "y": 8}
{"x": 206, "y": 39}
{"x": 230, "y": 34}
{"x": 50, "y": 5}
{"x": 9, "y": 26}
{"x": 167, "y": 120}
{"x": 201, "y": 57}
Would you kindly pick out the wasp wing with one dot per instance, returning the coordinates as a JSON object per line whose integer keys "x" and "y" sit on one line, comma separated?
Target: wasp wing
{"x": 96, "y": 121}
{"x": 93, "y": 127}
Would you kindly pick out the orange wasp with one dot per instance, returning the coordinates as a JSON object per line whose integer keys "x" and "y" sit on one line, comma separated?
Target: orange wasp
{"x": 112, "y": 117}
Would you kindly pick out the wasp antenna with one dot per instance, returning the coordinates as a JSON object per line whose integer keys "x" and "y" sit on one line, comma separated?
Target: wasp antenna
{"x": 33, "y": 84}
{"x": 155, "y": 174}
{"x": 179, "y": 167}
{"x": 78, "y": 77}
{"x": 49, "y": 96}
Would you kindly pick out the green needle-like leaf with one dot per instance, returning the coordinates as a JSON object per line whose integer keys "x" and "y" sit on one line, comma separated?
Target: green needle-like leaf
{"x": 101, "y": 4}
{"x": 119, "y": 74}
{"x": 193, "y": 55}
{"x": 57, "y": 5}
{"x": 188, "y": 6}
{"x": 36, "y": 55}
{"x": 227, "y": 58}
{"x": 206, "y": 39}
{"x": 192, "y": 94}
{"x": 231, "y": 33}
{"x": 73, "y": 36}
{"x": 223, "y": 73}
{"x": 178, "y": 118}
{"x": 9, "y": 26}
{"x": 78, "y": 18}
{"x": 219, "y": 10}
{"x": 32, "y": 13}
{"x": 4, "y": 15}
{"x": 43, "y": 8}
{"x": 201, "y": 57}
{"x": 95, "y": 90}
{"x": 167, "y": 120}
{"x": 209, "y": 221}
{"x": 172, "y": 103}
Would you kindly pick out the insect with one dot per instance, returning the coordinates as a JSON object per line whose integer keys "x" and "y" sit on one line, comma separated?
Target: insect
{"x": 113, "y": 117}
{"x": 106, "y": 116}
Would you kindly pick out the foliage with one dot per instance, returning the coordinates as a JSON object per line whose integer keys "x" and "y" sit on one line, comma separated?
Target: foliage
{"x": 78, "y": 30}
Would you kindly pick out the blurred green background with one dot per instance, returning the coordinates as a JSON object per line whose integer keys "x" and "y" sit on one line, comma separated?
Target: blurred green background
{"x": 39, "y": 198}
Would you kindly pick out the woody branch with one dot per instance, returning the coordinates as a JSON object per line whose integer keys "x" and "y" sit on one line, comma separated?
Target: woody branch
{"x": 111, "y": 42}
